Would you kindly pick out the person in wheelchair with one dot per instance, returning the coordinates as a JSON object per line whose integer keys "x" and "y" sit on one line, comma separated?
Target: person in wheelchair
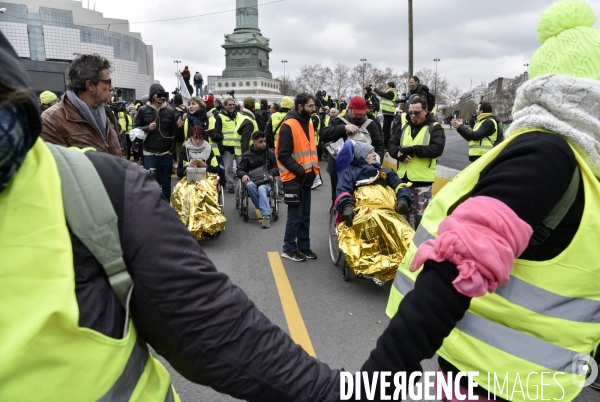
{"x": 257, "y": 169}
{"x": 373, "y": 234}
{"x": 197, "y": 197}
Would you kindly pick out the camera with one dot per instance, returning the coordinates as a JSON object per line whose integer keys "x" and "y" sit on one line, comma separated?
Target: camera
{"x": 175, "y": 92}
{"x": 162, "y": 95}
{"x": 231, "y": 93}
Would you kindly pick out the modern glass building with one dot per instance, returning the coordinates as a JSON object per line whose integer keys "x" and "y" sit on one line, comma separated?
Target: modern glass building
{"x": 49, "y": 34}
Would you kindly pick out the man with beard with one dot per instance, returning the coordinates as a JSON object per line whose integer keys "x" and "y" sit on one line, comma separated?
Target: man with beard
{"x": 353, "y": 126}
{"x": 417, "y": 145}
{"x": 298, "y": 167}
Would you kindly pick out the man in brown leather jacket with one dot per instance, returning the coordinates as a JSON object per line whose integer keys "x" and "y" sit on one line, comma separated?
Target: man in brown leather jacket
{"x": 80, "y": 119}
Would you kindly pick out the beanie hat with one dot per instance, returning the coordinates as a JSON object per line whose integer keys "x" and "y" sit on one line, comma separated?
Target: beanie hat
{"x": 154, "y": 89}
{"x": 287, "y": 102}
{"x": 209, "y": 99}
{"x": 249, "y": 102}
{"x": 362, "y": 149}
{"x": 47, "y": 97}
{"x": 570, "y": 46}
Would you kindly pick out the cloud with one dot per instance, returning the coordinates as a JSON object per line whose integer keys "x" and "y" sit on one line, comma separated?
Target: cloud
{"x": 477, "y": 41}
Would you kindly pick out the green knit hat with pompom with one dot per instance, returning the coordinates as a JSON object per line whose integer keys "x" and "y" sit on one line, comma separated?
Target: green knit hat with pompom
{"x": 570, "y": 45}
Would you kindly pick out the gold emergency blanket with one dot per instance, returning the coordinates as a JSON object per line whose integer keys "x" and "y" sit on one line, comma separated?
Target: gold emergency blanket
{"x": 379, "y": 237}
{"x": 197, "y": 204}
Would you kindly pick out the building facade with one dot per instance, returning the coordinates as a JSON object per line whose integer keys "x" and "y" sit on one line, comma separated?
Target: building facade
{"x": 48, "y": 35}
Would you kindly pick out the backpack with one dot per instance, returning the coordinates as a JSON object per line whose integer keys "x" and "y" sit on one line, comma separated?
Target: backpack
{"x": 500, "y": 135}
{"x": 430, "y": 101}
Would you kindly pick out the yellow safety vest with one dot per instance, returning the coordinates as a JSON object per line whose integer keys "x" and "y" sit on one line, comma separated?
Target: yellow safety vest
{"x": 419, "y": 169}
{"x": 540, "y": 320}
{"x": 480, "y": 147}
{"x": 387, "y": 105}
{"x": 46, "y": 355}
{"x": 244, "y": 117}
{"x": 211, "y": 125}
{"x": 125, "y": 122}
{"x": 318, "y": 129}
{"x": 276, "y": 119}
{"x": 231, "y": 138}
{"x": 326, "y": 123}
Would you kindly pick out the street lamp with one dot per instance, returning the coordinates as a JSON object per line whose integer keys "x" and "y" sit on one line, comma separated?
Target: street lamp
{"x": 435, "y": 85}
{"x": 177, "y": 71}
{"x": 284, "y": 87}
{"x": 364, "y": 61}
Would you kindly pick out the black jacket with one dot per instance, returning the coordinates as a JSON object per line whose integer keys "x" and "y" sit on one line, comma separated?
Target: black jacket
{"x": 370, "y": 96}
{"x": 246, "y": 130}
{"x": 286, "y": 146}
{"x": 254, "y": 158}
{"x": 191, "y": 314}
{"x": 529, "y": 176}
{"x": 420, "y": 90}
{"x": 261, "y": 120}
{"x": 437, "y": 141}
{"x": 180, "y": 110}
{"x": 337, "y": 129}
{"x": 183, "y": 156}
{"x": 161, "y": 138}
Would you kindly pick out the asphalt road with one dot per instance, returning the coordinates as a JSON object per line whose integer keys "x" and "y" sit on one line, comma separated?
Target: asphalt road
{"x": 343, "y": 319}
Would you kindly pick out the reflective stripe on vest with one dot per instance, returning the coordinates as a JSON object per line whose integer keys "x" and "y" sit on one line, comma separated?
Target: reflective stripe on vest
{"x": 419, "y": 169}
{"x": 304, "y": 150}
{"x": 387, "y": 105}
{"x": 480, "y": 147}
{"x": 542, "y": 319}
{"x": 44, "y": 332}
{"x": 230, "y": 136}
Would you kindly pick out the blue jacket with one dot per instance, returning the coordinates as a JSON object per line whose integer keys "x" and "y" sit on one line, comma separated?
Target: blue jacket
{"x": 361, "y": 170}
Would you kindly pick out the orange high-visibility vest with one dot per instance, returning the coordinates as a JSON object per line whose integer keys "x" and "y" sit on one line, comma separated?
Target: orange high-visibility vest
{"x": 304, "y": 151}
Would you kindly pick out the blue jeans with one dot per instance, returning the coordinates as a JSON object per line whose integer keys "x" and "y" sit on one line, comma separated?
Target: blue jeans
{"x": 298, "y": 224}
{"x": 260, "y": 197}
{"x": 164, "y": 167}
{"x": 199, "y": 89}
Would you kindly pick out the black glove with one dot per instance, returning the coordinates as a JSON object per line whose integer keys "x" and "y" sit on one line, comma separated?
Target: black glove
{"x": 348, "y": 214}
{"x": 401, "y": 206}
{"x": 406, "y": 151}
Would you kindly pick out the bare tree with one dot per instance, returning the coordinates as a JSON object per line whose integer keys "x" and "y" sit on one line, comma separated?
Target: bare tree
{"x": 289, "y": 87}
{"x": 362, "y": 74}
{"x": 312, "y": 78}
{"x": 339, "y": 80}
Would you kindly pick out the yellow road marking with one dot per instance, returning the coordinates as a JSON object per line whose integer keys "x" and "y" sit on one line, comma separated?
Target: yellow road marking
{"x": 294, "y": 319}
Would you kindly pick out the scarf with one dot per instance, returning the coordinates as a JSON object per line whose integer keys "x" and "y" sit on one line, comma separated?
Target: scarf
{"x": 201, "y": 153}
{"x": 95, "y": 116}
{"x": 566, "y": 106}
{"x": 15, "y": 138}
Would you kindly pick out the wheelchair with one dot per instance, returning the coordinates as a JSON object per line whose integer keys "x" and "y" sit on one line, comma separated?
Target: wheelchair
{"x": 335, "y": 253}
{"x": 244, "y": 198}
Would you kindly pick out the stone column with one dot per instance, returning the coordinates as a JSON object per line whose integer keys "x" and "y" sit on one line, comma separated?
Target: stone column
{"x": 246, "y": 15}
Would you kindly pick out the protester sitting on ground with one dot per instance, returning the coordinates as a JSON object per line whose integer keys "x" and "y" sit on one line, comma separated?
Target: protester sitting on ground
{"x": 47, "y": 99}
{"x": 255, "y": 158}
{"x": 374, "y": 235}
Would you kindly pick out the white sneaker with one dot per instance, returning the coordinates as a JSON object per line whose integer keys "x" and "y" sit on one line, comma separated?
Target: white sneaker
{"x": 316, "y": 183}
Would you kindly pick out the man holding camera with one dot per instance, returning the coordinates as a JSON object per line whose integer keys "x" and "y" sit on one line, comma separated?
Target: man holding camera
{"x": 157, "y": 119}
{"x": 82, "y": 109}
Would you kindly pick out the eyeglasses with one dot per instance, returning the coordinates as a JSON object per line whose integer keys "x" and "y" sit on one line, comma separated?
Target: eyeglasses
{"x": 415, "y": 113}
{"x": 108, "y": 81}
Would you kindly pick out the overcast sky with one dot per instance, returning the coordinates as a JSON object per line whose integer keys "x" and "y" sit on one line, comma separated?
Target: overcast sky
{"x": 477, "y": 41}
